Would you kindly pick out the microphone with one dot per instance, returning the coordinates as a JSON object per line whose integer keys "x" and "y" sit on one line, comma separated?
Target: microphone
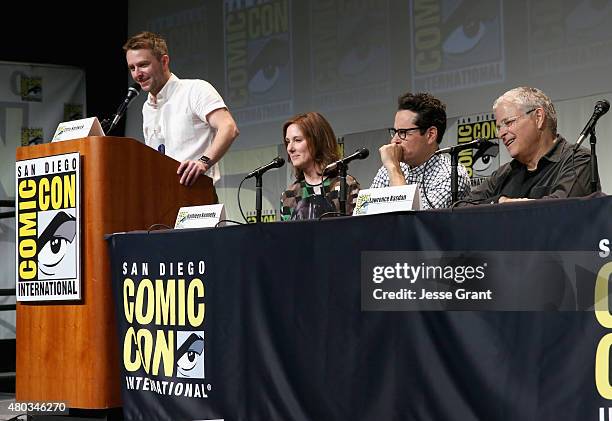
{"x": 601, "y": 107}
{"x": 477, "y": 143}
{"x": 275, "y": 163}
{"x": 132, "y": 93}
{"x": 362, "y": 153}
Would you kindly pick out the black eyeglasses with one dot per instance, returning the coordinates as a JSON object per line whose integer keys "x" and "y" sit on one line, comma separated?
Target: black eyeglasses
{"x": 401, "y": 133}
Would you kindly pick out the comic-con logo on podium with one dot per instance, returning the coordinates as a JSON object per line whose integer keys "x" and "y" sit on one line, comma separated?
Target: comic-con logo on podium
{"x": 47, "y": 231}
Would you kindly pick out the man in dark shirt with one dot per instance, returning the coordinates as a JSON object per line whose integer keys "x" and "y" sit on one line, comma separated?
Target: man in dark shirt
{"x": 544, "y": 164}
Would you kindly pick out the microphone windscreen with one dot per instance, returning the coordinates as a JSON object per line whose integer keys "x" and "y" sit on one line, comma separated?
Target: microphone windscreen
{"x": 602, "y": 106}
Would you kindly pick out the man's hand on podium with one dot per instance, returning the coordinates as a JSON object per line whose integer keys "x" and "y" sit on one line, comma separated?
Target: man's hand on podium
{"x": 190, "y": 171}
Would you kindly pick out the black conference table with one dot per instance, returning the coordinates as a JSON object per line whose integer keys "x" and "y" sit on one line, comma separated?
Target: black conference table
{"x": 266, "y": 322}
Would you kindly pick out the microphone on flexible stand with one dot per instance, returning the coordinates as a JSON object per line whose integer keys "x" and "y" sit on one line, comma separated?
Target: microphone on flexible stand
{"x": 341, "y": 166}
{"x": 601, "y": 107}
{"x": 362, "y": 153}
{"x": 275, "y": 163}
{"x": 454, "y": 153}
{"x": 132, "y": 93}
{"x": 257, "y": 173}
{"x": 477, "y": 143}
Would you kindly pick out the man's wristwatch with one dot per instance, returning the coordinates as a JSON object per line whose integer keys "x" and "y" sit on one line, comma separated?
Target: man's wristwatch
{"x": 206, "y": 161}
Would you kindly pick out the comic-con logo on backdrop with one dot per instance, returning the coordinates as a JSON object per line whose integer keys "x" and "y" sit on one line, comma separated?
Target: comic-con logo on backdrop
{"x": 31, "y": 88}
{"x": 47, "y": 232}
{"x": 267, "y": 215}
{"x": 73, "y": 112}
{"x": 481, "y": 162}
{"x": 456, "y": 44}
{"x": 349, "y": 53}
{"x": 259, "y": 80}
{"x": 163, "y": 310}
{"x": 581, "y": 39}
{"x": 31, "y": 136}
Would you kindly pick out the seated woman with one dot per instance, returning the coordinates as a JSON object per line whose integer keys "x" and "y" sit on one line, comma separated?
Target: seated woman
{"x": 311, "y": 146}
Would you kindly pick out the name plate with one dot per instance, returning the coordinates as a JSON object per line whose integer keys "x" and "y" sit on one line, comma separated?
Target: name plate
{"x": 204, "y": 216}
{"x": 388, "y": 199}
{"x": 78, "y": 129}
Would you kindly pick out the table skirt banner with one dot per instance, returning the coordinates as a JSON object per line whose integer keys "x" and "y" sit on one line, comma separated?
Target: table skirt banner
{"x": 265, "y": 322}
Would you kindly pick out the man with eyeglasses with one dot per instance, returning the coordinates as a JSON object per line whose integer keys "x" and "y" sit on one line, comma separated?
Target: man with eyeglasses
{"x": 544, "y": 164}
{"x": 420, "y": 123}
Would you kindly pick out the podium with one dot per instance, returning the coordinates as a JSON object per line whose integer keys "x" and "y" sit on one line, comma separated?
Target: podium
{"x": 67, "y": 351}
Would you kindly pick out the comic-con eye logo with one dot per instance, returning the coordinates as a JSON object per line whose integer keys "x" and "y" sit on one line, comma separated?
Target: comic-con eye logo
{"x": 73, "y": 112}
{"x": 268, "y": 65}
{"x": 361, "y": 206}
{"x": 31, "y": 88}
{"x": 31, "y": 136}
{"x": 60, "y": 130}
{"x": 182, "y": 216}
{"x": 190, "y": 354}
{"x": 57, "y": 255}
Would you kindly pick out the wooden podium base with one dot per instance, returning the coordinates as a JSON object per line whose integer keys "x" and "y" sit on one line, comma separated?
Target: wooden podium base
{"x": 68, "y": 351}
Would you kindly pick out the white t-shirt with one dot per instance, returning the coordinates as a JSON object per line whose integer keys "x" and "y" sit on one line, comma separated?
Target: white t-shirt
{"x": 178, "y": 119}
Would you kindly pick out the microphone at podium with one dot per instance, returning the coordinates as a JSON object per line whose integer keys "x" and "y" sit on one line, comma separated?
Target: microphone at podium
{"x": 132, "y": 93}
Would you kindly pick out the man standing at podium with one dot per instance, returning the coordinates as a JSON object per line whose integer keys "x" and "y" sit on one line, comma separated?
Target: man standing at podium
{"x": 185, "y": 118}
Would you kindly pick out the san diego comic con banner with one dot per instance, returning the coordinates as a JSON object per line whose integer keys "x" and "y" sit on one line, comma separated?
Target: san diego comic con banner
{"x": 481, "y": 162}
{"x": 163, "y": 318}
{"x": 581, "y": 40}
{"x": 456, "y": 44}
{"x": 209, "y": 327}
{"x": 349, "y": 53}
{"x": 47, "y": 231}
{"x": 258, "y": 67}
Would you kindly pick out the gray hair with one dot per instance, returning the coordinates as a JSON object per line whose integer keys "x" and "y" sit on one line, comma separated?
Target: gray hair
{"x": 529, "y": 98}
